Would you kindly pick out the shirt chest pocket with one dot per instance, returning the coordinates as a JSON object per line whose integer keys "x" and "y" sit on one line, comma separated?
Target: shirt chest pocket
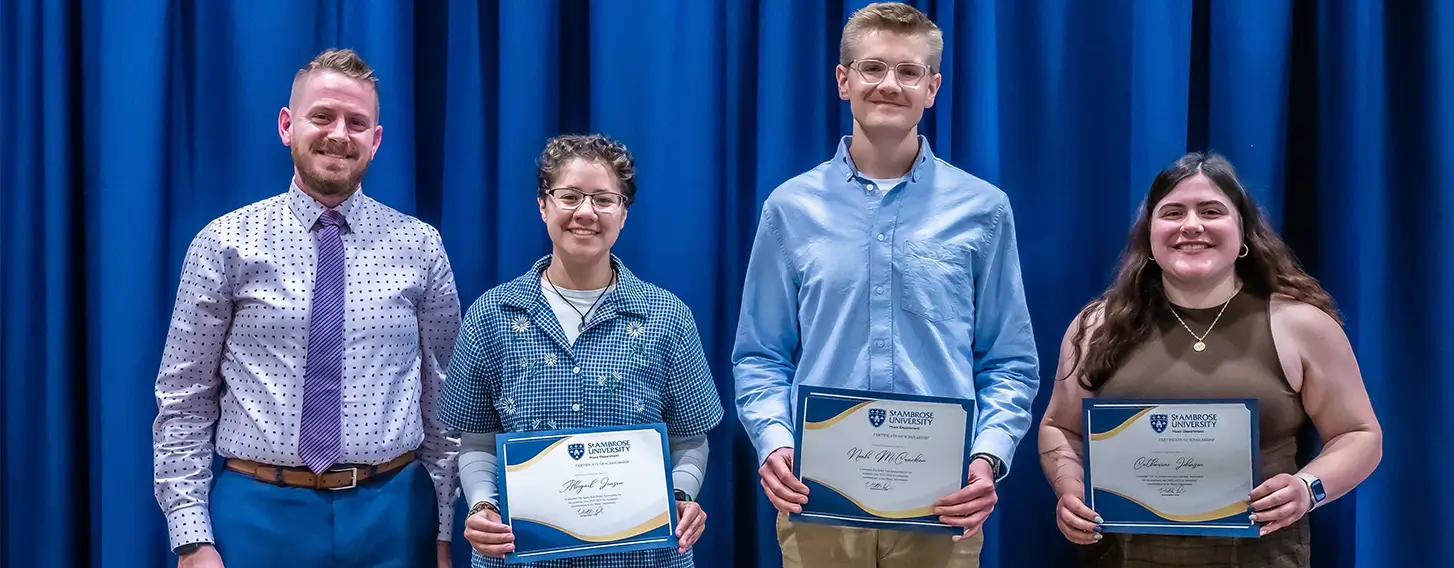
{"x": 936, "y": 280}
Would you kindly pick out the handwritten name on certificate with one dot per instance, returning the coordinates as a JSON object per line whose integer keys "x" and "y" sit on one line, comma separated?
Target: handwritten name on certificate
{"x": 879, "y": 460}
{"x": 591, "y": 491}
{"x": 1173, "y": 466}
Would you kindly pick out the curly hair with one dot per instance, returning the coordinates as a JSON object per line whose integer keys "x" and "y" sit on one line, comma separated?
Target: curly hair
{"x": 1135, "y": 301}
{"x": 592, "y": 148}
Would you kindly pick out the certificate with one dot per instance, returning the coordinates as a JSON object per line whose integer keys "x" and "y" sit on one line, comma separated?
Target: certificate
{"x": 568, "y": 493}
{"x": 880, "y": 460}
{"x": 1175, "y": 466}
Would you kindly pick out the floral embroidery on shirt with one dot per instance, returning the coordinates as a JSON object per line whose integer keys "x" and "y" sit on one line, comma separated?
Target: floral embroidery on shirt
{"x": 635, "y": 333}
{"x": 609, "y": 382}
{"x": 532, "y": 371}
{"x": 549, "y": 359}
{"x": 507, "y": 406}
{"x": 520, "y": 324}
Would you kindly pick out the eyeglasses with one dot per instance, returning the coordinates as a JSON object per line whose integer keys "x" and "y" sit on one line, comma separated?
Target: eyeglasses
{"x": 874, "y": 71}
{"x": 569, "y": 198}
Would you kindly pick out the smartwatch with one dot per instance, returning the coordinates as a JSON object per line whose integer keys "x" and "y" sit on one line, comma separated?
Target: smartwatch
{"x": 188, "y": 548}
{"x": 682, "y": 495}
{"x": 1315, "y": 488}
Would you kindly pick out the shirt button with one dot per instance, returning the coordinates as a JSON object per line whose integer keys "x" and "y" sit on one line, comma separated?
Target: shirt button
{"x": 576, "y": 370}
{"x": 880, "y": 237}
{"x": 878, "y": 290}
{"x": 880, "y": 343}
{"x": 868, "y": 186}
{"x": 576, "y": 407}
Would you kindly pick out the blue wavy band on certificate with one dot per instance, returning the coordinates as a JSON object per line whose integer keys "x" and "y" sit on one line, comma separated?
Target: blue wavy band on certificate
{"x": 1182, "y": 467}
{"x": 880, "y": 460}
{"x": 568, "y": 493}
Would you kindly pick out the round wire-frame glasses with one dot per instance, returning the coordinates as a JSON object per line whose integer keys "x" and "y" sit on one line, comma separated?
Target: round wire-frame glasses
{"x": 570, "y": 198}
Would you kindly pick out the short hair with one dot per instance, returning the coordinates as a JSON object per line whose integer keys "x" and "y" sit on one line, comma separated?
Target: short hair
{"x": 343, "y": 61}
{"x": 591, "y": 148}
{"x": 896, "y": 17}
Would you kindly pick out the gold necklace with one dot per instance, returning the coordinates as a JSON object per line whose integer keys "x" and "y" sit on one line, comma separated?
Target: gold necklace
{"x": 1201, "y": 344}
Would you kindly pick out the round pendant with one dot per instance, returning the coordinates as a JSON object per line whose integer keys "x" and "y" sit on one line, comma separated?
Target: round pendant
{"x": 582, "y": 327}
{"x": 1199, "y": 346}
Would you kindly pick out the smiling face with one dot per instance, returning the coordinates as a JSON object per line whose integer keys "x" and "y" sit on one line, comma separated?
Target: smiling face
{"x": 331, "y": 127}
{"x": 1196, "y": 233}
{"x": 874, "y": 84}
{"x": 583, "y": 234}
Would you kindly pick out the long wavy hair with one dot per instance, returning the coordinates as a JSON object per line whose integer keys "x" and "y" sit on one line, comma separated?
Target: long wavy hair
{"x": 1124, "y": 315}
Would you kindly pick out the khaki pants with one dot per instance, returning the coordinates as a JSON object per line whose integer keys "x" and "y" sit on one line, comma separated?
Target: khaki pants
{"x": 809, "y": 545}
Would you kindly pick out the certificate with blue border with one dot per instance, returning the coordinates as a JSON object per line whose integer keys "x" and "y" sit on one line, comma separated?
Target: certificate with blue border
{"x": 578, "y": 492}
{"x": 1172, "y": 466}
{"x": 880, "y": 460}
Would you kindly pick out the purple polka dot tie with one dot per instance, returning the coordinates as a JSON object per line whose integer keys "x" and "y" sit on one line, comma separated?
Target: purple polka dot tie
{"x": 320, "y": 437}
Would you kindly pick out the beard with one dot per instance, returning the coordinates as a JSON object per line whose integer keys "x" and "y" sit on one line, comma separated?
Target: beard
{"x": 320, "y": 179}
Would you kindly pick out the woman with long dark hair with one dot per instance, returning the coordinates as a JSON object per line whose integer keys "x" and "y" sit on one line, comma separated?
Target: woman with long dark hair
{"x": 1208, "y": 302}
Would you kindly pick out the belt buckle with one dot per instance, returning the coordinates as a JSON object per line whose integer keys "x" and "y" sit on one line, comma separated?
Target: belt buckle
{"x": 352, "y": 484}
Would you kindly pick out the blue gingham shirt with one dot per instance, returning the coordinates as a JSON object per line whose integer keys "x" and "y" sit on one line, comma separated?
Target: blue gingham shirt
{"x": 912, "y": 289}
{"x": 639, "y": 361}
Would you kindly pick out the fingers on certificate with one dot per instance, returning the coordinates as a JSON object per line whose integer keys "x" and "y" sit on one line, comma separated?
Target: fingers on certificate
{"x": 968, "y": 507}
{"x": 785, "y": 491}
{"x": 1077, "y": 522}
{"x": 1278, "y": 503}
{"x": 693, "y": 522}
{"x": 487, "y": 535}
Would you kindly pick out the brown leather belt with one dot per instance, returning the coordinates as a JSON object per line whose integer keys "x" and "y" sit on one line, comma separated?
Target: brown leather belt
{"x": 332, "y": 479}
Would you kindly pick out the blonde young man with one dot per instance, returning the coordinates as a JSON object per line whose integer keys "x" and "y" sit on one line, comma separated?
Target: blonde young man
{"x": 889, "y": 270}
{"x": 310, "y": 338}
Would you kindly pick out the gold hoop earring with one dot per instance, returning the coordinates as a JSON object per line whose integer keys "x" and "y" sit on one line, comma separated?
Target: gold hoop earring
{"x": 1245, "y": 251}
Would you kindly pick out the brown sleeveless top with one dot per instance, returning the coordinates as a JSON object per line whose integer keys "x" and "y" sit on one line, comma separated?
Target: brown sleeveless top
{"x": 1240, "y": 361}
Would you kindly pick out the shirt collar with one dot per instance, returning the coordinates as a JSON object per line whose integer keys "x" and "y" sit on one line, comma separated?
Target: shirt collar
{"x": 843, "y": 163}
{"x": 629, "y": 297}
{"x": 308, "y": 210}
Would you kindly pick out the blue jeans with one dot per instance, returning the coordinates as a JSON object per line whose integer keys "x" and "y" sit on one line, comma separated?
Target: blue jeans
{"x": 385, "y": 523}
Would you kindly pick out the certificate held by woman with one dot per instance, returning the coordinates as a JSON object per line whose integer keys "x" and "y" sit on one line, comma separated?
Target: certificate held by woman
{"x": 586, "y": 491}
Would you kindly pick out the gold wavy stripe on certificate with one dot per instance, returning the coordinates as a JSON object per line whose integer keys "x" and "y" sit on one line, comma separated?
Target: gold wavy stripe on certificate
{"x": 909, "y": 514}
{"x": 538, "y": 457}
{"x": 1223, "y": 512}
{"x": 1123, "y": 426}
{"x": 834, "y": 420}
{"x": 645, "y": 527}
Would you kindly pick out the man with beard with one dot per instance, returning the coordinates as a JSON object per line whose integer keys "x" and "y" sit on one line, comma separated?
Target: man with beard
{"x": 310, "y": 338}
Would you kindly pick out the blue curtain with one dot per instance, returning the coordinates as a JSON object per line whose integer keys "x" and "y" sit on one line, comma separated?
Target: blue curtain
{"x": 128, "y": 124}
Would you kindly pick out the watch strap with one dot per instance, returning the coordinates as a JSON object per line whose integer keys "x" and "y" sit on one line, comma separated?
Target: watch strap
{"x": 481, "y": 506}
{"x": 997, "y": 467}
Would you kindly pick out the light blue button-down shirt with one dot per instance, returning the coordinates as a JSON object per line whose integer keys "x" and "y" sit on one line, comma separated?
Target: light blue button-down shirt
{"x": 915, "y": 289}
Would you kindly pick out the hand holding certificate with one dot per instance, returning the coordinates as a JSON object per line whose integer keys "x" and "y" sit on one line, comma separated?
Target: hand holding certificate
{"x": 1171, "y": 467}
{"x": 590, "y": 491}
{"x": 880, "y": 460}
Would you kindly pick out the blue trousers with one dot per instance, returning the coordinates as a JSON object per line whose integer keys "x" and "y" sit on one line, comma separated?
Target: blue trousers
{"x": 385, "y": 523}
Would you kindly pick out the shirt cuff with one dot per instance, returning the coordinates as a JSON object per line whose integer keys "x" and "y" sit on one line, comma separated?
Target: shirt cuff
{"x": 189, "y": 525}
{"x": 446, "y": 517}
{"x": 773, "y": 437}
{"x": 997, "y": 443}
